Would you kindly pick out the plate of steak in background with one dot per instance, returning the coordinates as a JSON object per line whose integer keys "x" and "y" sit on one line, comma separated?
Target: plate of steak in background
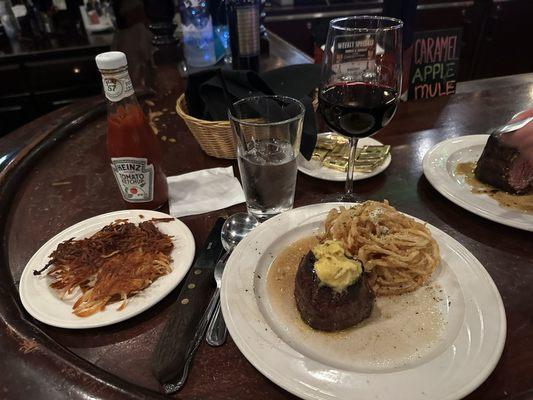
{"x": 497, "y": 186}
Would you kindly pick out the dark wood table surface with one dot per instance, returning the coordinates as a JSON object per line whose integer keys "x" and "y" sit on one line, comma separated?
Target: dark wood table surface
{"x": 54, "y": 172}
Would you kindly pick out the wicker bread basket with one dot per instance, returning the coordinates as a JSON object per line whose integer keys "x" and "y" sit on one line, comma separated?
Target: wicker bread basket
{"x": 214, "y": 137}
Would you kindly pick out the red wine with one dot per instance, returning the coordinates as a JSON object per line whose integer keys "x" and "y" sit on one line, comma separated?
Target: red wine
{"x": 357, "y": 109}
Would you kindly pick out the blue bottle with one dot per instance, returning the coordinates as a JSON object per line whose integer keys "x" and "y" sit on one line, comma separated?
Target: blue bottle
{"x": 198, "y": 40}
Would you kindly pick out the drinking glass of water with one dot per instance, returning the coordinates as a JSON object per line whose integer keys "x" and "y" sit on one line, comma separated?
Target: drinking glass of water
{"x": 268, "y": 131}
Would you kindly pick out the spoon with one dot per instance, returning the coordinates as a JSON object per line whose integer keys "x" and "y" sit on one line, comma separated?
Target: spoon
{"x": 233, "y": 231}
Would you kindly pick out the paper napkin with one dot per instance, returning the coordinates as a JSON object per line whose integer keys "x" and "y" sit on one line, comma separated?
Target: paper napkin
{"x": 203, "y": 191}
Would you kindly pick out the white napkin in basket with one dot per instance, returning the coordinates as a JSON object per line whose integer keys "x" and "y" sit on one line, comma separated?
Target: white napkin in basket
{"x": 203, "y": 191}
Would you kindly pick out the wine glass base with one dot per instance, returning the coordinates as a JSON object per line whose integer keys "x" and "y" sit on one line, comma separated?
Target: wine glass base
{"x": 340, "y": 198}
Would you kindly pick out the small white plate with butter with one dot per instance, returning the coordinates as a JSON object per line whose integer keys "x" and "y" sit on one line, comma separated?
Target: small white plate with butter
{"x": 316, "y": 170}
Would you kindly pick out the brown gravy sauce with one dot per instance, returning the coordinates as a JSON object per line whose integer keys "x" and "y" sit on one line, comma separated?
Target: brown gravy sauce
{"x": 522, "y": 202}
{"x": 400, "y": 330}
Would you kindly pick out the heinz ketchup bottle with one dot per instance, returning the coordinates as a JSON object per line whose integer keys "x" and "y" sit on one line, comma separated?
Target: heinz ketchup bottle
{"x": 131, "y": 143}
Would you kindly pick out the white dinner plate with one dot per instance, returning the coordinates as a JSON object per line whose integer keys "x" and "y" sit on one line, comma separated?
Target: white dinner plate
{"x": 467, "y": 351}
{"x": 439, "y": 168}
{"x": 316, "y": 170}
{"x": 44, "y": 304}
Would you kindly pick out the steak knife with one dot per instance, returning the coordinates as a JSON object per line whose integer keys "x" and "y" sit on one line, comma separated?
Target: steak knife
{"x": 511, "y": 126}
{"x": 189, "y": 316}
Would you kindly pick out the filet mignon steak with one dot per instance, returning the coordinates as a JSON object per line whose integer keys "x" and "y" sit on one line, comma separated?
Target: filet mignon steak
{"x": 324, "y": 309}
{"x": 502, "y": 167}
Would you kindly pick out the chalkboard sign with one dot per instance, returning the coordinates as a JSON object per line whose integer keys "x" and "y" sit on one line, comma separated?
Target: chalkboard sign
{"x": 435, "y": 63}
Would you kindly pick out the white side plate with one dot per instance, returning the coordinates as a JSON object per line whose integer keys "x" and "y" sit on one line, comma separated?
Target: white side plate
{"x": 314, "y": 169}
{"x": 466, "y": 353}
{"x": 44, "y": 304}
{"x": 439, "y": 168}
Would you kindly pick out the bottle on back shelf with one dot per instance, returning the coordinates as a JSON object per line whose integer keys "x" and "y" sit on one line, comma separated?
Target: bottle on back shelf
{"x": 244, "y": 33}
{"x": 197, "y": 27}
{"x": 131, "y": 143}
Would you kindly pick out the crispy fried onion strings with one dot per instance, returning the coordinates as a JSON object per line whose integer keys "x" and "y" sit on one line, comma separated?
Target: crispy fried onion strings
{"x": 115, "y": 263}
{"x": 398, "y": 253}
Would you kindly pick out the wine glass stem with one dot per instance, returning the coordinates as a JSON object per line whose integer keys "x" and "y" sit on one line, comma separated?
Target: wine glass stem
{"x": 351, "y": 162}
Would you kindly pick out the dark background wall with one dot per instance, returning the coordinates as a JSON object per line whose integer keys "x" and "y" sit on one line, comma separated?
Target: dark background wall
{"x": 43, "y": 74}
{"x": 497, "y": 34}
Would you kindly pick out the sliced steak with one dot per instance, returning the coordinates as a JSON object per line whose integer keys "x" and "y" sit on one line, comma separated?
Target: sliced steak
{"x": 324, "y": 309}
{"x": 501, "y": 166}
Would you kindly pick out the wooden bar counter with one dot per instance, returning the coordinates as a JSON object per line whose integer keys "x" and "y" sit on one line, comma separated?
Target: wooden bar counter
{"x": 54, "y": 172}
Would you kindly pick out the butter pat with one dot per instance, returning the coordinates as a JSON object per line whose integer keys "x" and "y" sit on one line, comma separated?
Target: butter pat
{"x": 333, "y": 268}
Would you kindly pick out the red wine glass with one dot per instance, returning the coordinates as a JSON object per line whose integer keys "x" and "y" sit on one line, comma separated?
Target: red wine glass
{"x": 361, "y": 79}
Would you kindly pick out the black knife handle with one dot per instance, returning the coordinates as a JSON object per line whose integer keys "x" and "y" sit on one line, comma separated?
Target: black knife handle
{"x": 178, "y": 334}
{"x": 177, "y": 384}
{"x": 177, "y": 338}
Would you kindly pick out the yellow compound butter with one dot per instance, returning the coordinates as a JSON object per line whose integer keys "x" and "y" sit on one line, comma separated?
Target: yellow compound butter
{"x": 332, "y": 266}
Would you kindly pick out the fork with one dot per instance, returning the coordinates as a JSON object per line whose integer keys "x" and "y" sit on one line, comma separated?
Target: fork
{"x": 217, "y": 331}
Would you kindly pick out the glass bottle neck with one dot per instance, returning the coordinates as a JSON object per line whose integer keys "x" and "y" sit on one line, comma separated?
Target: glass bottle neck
{"x": 117, "y": 86}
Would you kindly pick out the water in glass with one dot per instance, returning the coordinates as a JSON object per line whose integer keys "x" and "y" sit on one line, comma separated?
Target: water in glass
{"x": 268, "y": 174}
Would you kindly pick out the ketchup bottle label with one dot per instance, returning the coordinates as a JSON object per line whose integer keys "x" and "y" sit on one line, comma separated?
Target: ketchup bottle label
{"x": 117, "y": 86}
{"x": 135, "y": 178}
